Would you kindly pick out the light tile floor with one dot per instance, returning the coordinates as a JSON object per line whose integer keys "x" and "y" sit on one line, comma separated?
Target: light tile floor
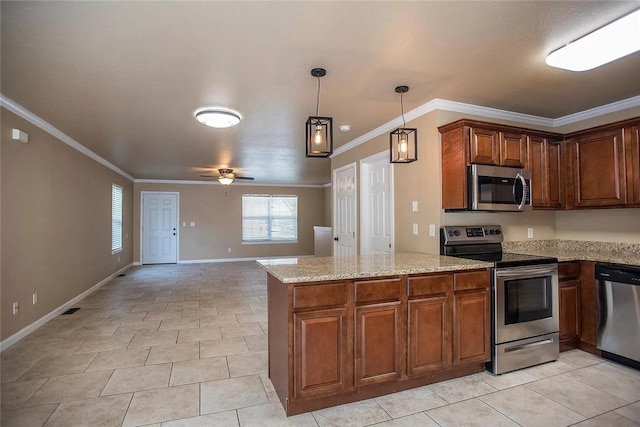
{"x": 186, "y": 345}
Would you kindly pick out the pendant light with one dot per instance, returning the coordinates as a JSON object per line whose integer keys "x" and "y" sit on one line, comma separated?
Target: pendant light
{"x": 319, "y": 133}
{"x": 403, "y": 141}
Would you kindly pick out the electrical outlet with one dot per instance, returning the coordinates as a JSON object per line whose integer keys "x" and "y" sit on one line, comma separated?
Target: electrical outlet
{"x": 15, "y": 308}
{"x": 192, "y": 224}
{"x": 34, "y": 297}
{"x": 432, "y": 230}
{"x": 415, "y": 229}
{"x": 530, "y": 232}
{"x": 118, "y": 258}
{"x": 229, "y": 250}
{"x": 414, "y": 206}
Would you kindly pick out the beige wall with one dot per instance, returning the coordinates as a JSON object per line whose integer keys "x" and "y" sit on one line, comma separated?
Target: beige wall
{"x": 217, "y": 212}
{"x": 421, "y": 181}
{"x": 56, "y": 224}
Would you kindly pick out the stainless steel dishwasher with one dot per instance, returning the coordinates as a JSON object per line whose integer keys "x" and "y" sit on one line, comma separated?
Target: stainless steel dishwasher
{"x": 619, "y": 312}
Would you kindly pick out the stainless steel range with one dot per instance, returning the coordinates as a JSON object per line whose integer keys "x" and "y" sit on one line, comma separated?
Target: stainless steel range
{"x": 524, "y": 291}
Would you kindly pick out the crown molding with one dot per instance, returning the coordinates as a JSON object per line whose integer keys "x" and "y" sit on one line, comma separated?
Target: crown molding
{"x": 27, "y": 115}
{"x": 494, "y": 113}
{"x": 234, "y": 184}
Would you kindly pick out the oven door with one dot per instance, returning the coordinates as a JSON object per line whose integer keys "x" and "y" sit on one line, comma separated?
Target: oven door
{"x": 525, "y": 302}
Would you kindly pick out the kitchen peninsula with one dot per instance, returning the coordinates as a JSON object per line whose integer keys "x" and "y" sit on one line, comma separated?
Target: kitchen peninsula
{"x": 343, "y": 329}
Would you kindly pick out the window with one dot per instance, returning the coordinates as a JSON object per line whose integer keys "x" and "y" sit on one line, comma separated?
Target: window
{"x": 116, "y": 218}
{"x": 268, "y": 218}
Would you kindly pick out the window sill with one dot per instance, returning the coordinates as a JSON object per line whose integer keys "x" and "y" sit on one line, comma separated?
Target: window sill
{"x": 116, "y": 251}
{"x": 271, "y": 242}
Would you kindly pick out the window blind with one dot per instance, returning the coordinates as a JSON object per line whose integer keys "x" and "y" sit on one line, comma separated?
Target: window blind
{"x": 269, "y": 218}
{"x": 116, "y": 218}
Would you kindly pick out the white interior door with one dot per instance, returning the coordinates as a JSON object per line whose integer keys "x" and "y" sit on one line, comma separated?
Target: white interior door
{"x": 159, "y": 228}
{"x": 376, "y": 209}
{"x": 344, "y": 214}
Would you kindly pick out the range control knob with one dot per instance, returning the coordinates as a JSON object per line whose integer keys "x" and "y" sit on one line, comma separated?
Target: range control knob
{"x": 456, "y": 232}
{"x": 498, "y": 231}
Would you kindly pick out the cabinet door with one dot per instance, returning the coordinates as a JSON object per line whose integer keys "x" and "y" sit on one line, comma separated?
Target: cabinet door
{"x": 554, "y": 187}
{"x": 320, "y": 352}
{"x": 537, "y": 165}
{"x": 513, "y": 149}
{"x": 569, "y": 310}
{"x": 599, "y": 170}
{"x": 378, "y": 345}
{"x": 634, "y": 170}
{"x": 484, "y": 146}
{"x": 429, "y": 332}
{"x": 472, "y": 322}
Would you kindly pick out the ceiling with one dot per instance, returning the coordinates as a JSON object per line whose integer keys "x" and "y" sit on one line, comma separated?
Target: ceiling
{"x": 124, "y": 79}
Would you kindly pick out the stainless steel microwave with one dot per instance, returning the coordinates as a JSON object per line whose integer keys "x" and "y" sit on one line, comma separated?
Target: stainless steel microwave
{"x": 499, "y": 188}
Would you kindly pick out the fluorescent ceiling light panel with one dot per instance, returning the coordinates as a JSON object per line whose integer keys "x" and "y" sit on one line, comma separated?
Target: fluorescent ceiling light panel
{"x": 613, "y": 41}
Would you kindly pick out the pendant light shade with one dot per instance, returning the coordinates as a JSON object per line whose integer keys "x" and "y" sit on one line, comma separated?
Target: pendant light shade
{"x": 319, "y": 130}
{"x": 403, "y": 141}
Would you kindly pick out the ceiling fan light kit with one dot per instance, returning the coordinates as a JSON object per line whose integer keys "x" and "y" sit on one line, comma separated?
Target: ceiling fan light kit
{"x": 227, "y": 176}
{"x": 403, "y": 141}
{"x": 218, "y": 117}
{"x": 319, "y": 130}
{"x": 613, "y": 41}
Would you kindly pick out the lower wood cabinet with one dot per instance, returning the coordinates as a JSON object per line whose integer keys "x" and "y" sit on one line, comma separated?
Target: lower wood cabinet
{"x": 320, "y": 352}
{"x": 569, "y": 304}
{"x": 378, "y": 343}
{"x": 342, "y": 341}
{"x": 471, "y": 319}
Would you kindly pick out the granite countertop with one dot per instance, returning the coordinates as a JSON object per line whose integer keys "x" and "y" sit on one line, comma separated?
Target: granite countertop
{"x": 575, "y": 250}
{"x": 317, "y": 269}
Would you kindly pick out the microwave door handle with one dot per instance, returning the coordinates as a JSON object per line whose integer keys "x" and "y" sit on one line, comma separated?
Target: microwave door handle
{"x": 524, "y": 190}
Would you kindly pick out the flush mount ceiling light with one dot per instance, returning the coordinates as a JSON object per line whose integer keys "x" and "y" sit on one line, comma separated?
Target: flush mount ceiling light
{"x": 613, "y": 41}
{"x": 403, "y": 141}
{"x": 218, "y": 117}
{"x": 319, "y": 139}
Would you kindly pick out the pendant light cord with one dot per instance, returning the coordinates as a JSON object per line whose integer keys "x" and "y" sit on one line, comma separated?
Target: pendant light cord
{"x": 404, "y": 124}
{"x": 318, "y": 98}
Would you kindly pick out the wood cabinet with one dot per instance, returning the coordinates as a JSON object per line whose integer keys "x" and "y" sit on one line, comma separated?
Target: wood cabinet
{"x": 465, "y": 142}
{"x": 569, "y": 304}
{"x": 632, "y": 136}
{"x": 544, "y": 160}
{"x": 592, "y": 168}
{"x": 378, "y": 330}
{"x": 599, "y": 170}
{"x": 320, "y": 353}
{"x": 430, "y": 324}
{"x": 341, "y": 341}
{"x": 471, "y": 318}
{"x": 588, "y": 307}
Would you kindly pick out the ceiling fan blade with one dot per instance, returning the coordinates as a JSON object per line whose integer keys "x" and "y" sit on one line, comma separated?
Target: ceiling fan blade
{"x": 244, "y": 177}
{"x": 208, "y": 176}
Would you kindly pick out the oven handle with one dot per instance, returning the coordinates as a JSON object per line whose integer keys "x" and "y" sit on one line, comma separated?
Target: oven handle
{"x": 544, "y": 269}
{"x": 525, "y": 346}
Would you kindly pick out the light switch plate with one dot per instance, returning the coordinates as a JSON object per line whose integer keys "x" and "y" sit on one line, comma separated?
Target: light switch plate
{"x": 530, "y": 232}
{"x": 414, "y": 206}
{"x": 432, "y": 230}
{"x": 415, "y": 229}
{"x": 192, "y": 224}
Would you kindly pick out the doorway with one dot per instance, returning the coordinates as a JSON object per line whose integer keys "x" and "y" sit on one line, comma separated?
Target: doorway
{"x": 344, "y": 211}
{"x": 159, "y": 233}
{"x": 376, "y": 206}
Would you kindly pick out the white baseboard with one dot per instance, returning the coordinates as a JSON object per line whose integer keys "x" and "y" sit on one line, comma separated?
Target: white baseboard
{"x": 5, "y": 344}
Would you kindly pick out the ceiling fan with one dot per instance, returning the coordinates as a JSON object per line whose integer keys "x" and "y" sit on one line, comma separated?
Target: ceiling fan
{"x": 226, "y": 176}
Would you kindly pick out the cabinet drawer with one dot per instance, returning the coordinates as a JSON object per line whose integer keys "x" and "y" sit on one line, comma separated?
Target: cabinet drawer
{"x": 472, "y": 280}
{"x": 568, "y": 270}
{"x": 430, "y": 285}
{"x": 319, "y": 295}
{"x": 379, "y": 290}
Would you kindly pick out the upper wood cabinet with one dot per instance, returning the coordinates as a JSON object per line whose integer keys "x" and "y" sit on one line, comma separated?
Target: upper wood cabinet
{"x": 605, "y": 166}
{"x": 466, "y": 142}
{"x": 632, "y": 136}
{"x": 491, "y": 146}
{"x": 544, "y": 159}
